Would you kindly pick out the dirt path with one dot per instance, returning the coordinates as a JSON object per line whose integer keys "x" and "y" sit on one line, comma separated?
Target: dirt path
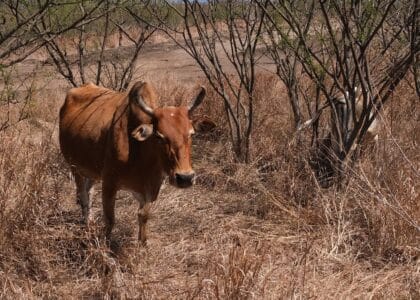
{"x": 156, "y": 61}
{"x": 169, "y": 60}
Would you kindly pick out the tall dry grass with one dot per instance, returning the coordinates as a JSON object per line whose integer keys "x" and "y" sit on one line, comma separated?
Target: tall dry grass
{"x": 265, "y": 230}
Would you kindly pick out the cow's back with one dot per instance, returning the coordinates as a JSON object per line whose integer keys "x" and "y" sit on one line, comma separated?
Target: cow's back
{"x": 85, "y": 120}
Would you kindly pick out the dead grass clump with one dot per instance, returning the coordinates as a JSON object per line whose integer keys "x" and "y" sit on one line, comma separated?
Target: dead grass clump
{"x": 44, "y": 248}
{"x": 238, "y": 274}
{"x": 385, "y": 186}
{"x": 30, "y": 184}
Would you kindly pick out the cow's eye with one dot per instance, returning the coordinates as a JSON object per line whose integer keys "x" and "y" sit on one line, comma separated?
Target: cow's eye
{"x": 159, "y": 135}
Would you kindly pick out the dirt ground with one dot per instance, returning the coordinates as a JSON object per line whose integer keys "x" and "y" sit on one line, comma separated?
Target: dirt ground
{"x": 157, "y": 60}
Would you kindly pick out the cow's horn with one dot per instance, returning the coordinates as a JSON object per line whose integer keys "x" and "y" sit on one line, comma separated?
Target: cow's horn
{"x": 197, "y": 101}
{"x": 135, "y": 96}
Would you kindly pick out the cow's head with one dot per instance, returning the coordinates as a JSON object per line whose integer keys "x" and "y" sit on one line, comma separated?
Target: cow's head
{"x": 171, "y": 127}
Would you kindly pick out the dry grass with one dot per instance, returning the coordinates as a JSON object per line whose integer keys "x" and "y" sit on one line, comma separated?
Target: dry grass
{"x": 263, "y": 230}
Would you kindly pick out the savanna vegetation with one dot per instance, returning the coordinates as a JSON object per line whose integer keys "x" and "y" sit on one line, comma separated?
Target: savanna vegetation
{"x": 296, "y": 195}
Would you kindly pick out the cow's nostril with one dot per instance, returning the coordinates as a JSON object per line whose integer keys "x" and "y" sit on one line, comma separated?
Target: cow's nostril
{"x": 184, "y": 180}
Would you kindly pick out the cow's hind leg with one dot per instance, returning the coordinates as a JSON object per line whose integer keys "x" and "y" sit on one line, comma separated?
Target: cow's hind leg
{"x": 108, "y": 205}
{"x": 83, "y": 193}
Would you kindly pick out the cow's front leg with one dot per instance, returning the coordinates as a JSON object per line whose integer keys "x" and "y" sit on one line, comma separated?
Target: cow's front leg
{"x": 143, "y": 216}
{"x": 108, "y": 204}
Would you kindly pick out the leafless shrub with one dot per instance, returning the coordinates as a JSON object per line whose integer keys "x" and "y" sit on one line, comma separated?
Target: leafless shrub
{"x": 222, "y": 37}
{"x": 360, "y": 50}
{"x": 19, "y": 21}
{"x": 26, "y": 27}
{"x": 93, "y": 56}
{"x": 17, "y": 96}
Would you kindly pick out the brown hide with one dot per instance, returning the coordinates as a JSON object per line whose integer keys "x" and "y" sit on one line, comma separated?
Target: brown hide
{"x": 127, "y": 142}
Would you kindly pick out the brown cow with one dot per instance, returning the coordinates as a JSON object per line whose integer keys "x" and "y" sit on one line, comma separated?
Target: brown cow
{"x": 128, "y": 143}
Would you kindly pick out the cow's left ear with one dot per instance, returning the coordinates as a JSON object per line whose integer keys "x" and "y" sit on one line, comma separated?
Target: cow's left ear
{"x": 197, "y": 101}
{"x": 142, "y": 132}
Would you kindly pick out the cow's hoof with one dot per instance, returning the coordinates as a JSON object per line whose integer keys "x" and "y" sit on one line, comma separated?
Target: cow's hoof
{"x": 142, "y": 243}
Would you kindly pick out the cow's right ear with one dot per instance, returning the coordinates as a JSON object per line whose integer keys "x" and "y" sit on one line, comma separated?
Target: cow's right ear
{"x": 142, "y": 95}
{"x": 142, "y": 132}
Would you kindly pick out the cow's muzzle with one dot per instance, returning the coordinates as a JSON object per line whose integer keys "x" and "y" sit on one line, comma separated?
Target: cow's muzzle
{"x": 184, "y": 180}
